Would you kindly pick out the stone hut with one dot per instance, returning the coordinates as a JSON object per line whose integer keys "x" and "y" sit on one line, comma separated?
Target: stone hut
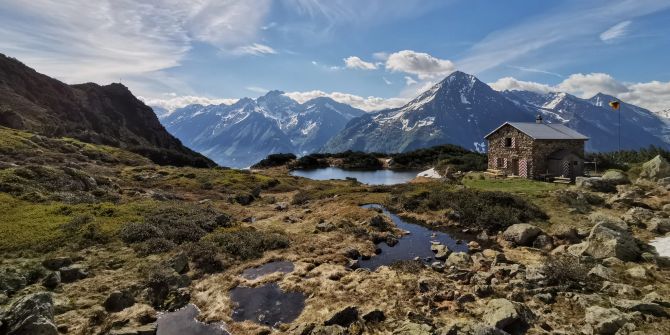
{"x": 536, "y": 150}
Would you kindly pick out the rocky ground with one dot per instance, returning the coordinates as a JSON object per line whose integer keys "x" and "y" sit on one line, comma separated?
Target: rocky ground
{"x": 100, "y": 241}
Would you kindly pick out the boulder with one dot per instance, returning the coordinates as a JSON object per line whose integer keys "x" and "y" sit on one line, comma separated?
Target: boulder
{"x": 505, "y": 314}
{"x": 374, "y": 316}
{"x": 609, "y": 240}
{"x": 329, "y": 330}
{"x": 180, "y": 263}
{"x": 595, "y": 184}
{"x": 522, "y": 233}
{"x": 411, "y": 328}
{"x": 52, "y": 280}
{"x": 11, "y": 281}
{"x": 31, "y": 314}
{"x": 55, "y": 263}
{"x": 459, "y": 260}
{"x": 637, "y": 216}
{"x": 655, "y": 169}
{"x": 644, "y": 307}
{"x": 544, "y": 242}
{"x": 604, "y": 320}
{"x": 441, "y": 251}
{"x": 600, "y": 272}
{"x": 118, "y": 301}
{"x": 343, "y": 318}
{"x": 659, "y": 225}
{"x": 73, "y": 273}
{"x": 616, "y": 177}
{"x": 637, "y": 272}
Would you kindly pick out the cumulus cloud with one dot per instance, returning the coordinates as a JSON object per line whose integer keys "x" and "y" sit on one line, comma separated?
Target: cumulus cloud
{"x": 354, "y": 62}
{"x": 420, "y": 64}
{"x": 174, "y": 102}
{"x": 513, "y": 84}
{"x": 588, "y": 85}
{"x": 409, "y": 81}
{"x": 653, "y": 95}
{"x": 616, "y": 31}
{"x": 365, "y": 103}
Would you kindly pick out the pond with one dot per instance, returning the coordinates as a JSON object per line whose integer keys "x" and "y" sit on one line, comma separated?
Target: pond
{"x": 183, "y": 322}
{"x": 266, "y": 304}
{"x": 415, "y": 244}
{"x": 370, "y": 177}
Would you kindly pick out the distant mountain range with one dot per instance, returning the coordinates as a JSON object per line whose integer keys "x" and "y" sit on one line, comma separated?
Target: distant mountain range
{"x": 245, "y": 132}
{"x": 108, "y": 115}
{"x": 458, "y": 110}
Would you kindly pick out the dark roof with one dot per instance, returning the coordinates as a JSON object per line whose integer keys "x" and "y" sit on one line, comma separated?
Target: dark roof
{"x": 544, "y": 131}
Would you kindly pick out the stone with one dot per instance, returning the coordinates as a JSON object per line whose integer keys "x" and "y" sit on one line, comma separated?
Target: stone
{"x": 616, "y": 177}
{"x": 73, "y": 273}
{"x": 544, "y": 242}
{"x": 180, "y": 263}
{"x": 303, "y": 328}
{"x": 329, "y": 330}
{"x": 521, "y": 233}
{"x": 637, "y": 216}
{"x": 353, "y": 264}
{"x": 469, "y": 328}
{"x": 595, "y": 184}
{"x": 31, "y": 314}
{"x": 352, "y": 253}
{"x": 324, "y": 227}
{"x": 609, "y": 240}
{"x": 473, "y": 246}
{"x": 118, "y": 301}
{"x": 464, "y": 298}
{"x": 659, "y": 225}
{"x": 504, "y": 314}
{"x": 546, "y": 298}
{"x": 459, "y": 260}
{"x": 374, "y": 316}
{"x": 566, "y": 233}
{"x": 391, "y": 240}
{"x": 657, "y": 299}
{"x": 411, "y": 328}
{"x": 441, "y": 251}
{"x": 600, "y": 272}
{"x": 604, "y": 320}
{"x": 55, "y": 263}
{"x": 623, "y": 290}
{"x": 177, "y": 299}
{"x": 644, "y": 307}
{"x": 281, "y": 206}
{"x": 52, "y": 280}
{"x": 343, "y": 318}
{"x": 637, "y": 272}
{"x": 11, "y": 281}
{"x": 654, "y": 169}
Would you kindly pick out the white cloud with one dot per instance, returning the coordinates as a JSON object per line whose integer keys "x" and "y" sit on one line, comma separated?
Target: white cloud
{"x": 257, "y": 89}
{"x": 112, "y": 40}
{"x": 175, "y": 102}
{"x": 616, "y": 31}
{"x": 255, "y": 49}
{"x": 653, "y": 95}
{"x": 386, "y": 81}
{"x": 365, "y": 103}
{"x": 588, "y": 85}
{"x": 533, "y": 70}
{"x": 420, "y": 64}
{"x": 512, "y": 84}
{"x": 409, "y": 81}
{"x": 380, "y": 55}
{"x": 354, "y": 62}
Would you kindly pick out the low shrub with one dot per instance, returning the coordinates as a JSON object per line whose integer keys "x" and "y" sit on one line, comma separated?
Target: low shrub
{"x": 204, "y": 257}
{"x": 155, "y": 245}
{"x": 301, "y": 198}
{"x": 247, "y": 243}
{"x": 274, "y": 160}
{"x": 567, "y": 270}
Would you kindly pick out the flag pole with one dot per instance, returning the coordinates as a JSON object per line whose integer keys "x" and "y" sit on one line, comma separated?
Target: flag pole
{"x": 619, "y": 127}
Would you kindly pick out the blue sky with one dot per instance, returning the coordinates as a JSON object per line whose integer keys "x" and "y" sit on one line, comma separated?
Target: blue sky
{"x": 371, "y": 54}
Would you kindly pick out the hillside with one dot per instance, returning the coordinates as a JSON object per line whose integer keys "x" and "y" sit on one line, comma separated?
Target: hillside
{"x": 108, "y": 115}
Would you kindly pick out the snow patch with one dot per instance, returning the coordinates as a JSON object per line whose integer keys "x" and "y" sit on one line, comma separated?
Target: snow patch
{"x": 430, "y": 173}
{"x": 464, "y": 100}
{"x": 662, "y": 245}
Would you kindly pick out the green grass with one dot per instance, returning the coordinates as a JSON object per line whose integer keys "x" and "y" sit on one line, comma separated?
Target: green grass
{"x": 29, "y": 226}
{"x": 519, "y": 185}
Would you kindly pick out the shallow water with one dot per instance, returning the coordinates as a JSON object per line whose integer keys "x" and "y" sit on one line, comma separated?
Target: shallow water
{"x": 271, "y": 267}
{"x": 267, "y": 304}
{"x": 183, "y": 322}
{"x": 415, "y": 244}
{"x": 371, "y": 177}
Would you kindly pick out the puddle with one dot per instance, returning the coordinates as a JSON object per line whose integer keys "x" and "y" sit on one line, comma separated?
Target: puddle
{"x": 272, "y": 267}
{"x": 183, "y": 322}
{"x": 267, "y": 304}
{"x": 415, "y": 244}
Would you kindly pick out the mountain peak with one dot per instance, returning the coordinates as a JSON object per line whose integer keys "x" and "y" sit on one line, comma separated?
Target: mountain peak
{"x": 274, "y": 93}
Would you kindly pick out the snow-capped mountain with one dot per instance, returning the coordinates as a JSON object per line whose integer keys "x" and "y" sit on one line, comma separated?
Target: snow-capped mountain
{"x": 462, "y": 110}
{"x": 245, "y": 132}
{"x": 458, "y": 110}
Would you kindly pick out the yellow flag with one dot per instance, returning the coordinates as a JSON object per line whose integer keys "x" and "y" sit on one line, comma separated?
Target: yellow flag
{"x": 615, "y": 104}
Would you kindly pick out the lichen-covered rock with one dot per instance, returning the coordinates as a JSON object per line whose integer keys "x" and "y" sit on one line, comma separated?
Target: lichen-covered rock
{"x": 73, "y": 273}
{"x": 659, "y": 225}
{"x": 604, "y": 320}
{"x": 522, "y": 233}
{"x": 31, "y": 314}
{"x": 616, "y": 177}
{"x": 118, "y": 301}
{"x": 637, "y": 216}
{"x": 52, "y": 280}
{"x": 609, "y": 240}
{"x": 505, "y": 314}
{"x": 411, "y": 328}
{"x": 654, "y": 169}
{"x": 459, "y": 260}
{"x": 595, "y": 184}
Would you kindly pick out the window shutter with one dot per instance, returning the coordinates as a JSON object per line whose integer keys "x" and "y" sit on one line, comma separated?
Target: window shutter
{"x": 513, "y": 142}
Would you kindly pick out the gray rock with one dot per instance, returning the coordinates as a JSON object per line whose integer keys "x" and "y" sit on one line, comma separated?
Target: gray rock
{"x": 604, "y": 320}
{"x": 521, "y": 233}
{"x": 600, "y": 272}
{"x": 636, "y": 216}
{"x": 637, "y": 272}
{"x": 55, "y": 263}
{"x": 595, "y": 184}
{"x": 644, "y": 307}
{"x": 282, "y": 206}
{"x": 118, "y": 301}
{"x": 374, "y": 316}
{"x": 657, "y": 299}
{"x": 503, "y": 314}
{"x": 459, "y": 260}
{"x": 73, "y": 273}
{"x": 324, "y": 227}
{"x": 11, "y": 281}
{"x": 469, "y": 328}
{"x": 411, "y": 328}
{"x": 31, "y": 314}
{"x": 437, "y": 266}
{"x": 616, "y": 177}
{"x": 180, "y": 263}
{"x": 52, "y": 280}
{"x": 655, "y": 169}
{"x": 544, "y": 242}
{"x": 329, "y": 330}
{"x": 659, "y": 225}
{"x": 609, "y": 240}
{"x": 343, "y": 318}
{"x": 622, "y": 290}
{"x": 441, "y": 251}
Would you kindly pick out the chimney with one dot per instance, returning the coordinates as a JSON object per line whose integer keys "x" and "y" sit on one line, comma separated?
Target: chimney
{"x": 538, "y": 119}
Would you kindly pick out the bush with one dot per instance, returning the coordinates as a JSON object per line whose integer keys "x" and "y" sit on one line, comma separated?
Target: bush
{"x": 443, "y": 155}
{"x": 274, "y": 160}
{"x": 567, "y": 270}
{"x": 138, "y": 232}
{"x": 301, "y": 198}
{"x": 154, "y": 246}
{"x": 204, "y": 257}
{"x": 247, "y": 243}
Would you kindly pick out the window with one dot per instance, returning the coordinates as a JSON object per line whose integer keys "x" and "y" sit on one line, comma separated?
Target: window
{"x": 509, "y": 142}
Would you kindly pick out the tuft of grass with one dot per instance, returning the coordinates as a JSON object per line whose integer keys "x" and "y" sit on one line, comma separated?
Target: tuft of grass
{"x": 517, "y": 185}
